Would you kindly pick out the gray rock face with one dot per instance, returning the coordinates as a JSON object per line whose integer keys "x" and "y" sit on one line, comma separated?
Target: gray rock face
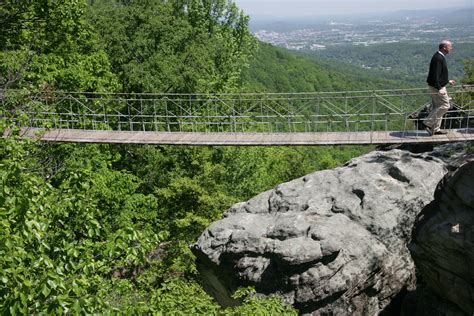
{"x": 443, "y": 242}
{"x": 332, "y": 242}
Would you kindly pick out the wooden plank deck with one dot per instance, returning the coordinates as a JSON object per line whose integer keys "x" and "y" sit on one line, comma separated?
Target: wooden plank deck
{"x": 243, "y": 139}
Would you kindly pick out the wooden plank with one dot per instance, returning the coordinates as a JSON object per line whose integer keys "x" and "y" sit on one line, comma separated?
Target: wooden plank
{"x": 243, "y": 139}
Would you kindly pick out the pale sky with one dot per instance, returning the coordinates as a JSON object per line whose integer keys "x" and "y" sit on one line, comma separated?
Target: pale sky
{"x": 296, "y": 8}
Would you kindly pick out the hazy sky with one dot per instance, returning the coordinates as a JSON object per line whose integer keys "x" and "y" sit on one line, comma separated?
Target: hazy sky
{"x": 294, "y": 8}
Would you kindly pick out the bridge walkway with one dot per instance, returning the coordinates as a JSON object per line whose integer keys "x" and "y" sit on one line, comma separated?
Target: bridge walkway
{"x": 244, "y": 139}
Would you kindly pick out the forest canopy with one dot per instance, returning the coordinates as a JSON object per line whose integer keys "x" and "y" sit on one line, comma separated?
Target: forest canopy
{"x": 141, "y": 46}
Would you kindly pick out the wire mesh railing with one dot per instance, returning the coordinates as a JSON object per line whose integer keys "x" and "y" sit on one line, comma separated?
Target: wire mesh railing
{"x": 348, "y": 111}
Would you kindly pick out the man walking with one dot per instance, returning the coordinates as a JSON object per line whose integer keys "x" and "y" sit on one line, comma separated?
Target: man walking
{"x": 437, "y": 81}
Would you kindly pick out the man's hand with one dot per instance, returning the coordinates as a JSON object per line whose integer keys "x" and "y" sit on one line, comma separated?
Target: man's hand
{"x": 442, "y": 91}
{"x": 452, "y": 82}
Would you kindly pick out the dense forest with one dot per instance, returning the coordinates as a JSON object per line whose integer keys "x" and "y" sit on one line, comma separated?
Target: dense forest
{"x": 276, "y": 69}
{"x": 104, "y": 228}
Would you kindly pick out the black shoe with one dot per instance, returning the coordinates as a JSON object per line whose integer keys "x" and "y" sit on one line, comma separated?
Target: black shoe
{"x": 440, "y": 132}
{"x": 428, "y": 129}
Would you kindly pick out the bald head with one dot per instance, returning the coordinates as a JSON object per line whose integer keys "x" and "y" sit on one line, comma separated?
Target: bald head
{"x": 445, "y": 46}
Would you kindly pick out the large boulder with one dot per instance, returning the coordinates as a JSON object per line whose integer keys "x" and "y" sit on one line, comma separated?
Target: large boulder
{"x": 443, "y": 241}
{"x": 331, "y": 242}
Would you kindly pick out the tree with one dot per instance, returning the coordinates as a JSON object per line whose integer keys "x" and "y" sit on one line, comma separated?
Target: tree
{"x": 469, "y": 71}
{"x": 50, "y": 43}
{"x": 63, "y": 236}
{"x": 184, "y": 46}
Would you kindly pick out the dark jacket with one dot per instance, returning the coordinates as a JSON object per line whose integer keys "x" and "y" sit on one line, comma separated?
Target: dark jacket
{"x": 438, "y": 74}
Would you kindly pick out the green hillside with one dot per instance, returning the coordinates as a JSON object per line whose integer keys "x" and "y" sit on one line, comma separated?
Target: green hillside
{"x": 404, "y": 62}
{"x": 278, "y": 70}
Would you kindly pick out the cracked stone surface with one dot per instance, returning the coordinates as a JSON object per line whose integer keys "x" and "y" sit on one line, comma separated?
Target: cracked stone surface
{"x": 443, "y": 241}
{"x": 331, "y": 242}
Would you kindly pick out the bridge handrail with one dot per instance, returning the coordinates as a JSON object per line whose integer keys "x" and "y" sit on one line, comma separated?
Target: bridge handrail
{"x": 422, "y": 90}
{"x": 363, "y": 110}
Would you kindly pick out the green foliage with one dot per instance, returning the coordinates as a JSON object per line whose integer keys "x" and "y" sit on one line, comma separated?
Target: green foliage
{"x": 251, "y": 170}
{"x": 184, "y": 297}
{"x": 274, "y": 69}
{"x": 174, "y": 46}
{"x": 192, "y": 299}
{"x": 59, "y": 243}
{"x": 50, "y": 43}
{"x": 470, "y": 149}
{"x": 187, "y": 181}
{"x": 403, "y": 62}
{"x": 258, "y": 305}
{"x": 469, "y": 71}
{"x": 145, "y": 295}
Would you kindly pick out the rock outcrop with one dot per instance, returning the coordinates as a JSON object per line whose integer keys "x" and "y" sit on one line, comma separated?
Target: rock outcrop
{"x": 443, "y": 241}
{"x": 332, "y": 242}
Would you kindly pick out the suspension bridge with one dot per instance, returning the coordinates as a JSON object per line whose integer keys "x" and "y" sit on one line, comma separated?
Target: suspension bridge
{"x": 319, "y": 118}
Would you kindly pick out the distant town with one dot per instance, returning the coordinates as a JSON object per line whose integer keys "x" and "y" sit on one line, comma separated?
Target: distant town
{"x": 332, "y": 33}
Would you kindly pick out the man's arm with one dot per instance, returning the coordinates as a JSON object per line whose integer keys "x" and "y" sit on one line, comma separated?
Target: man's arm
{"x": 437, "y": 64}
